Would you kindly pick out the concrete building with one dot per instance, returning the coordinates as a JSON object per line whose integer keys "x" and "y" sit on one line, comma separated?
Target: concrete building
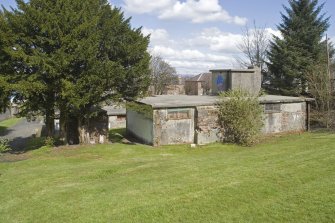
{"x": 116, "y": 116}
{"x": 187, "y": 119}
{"x": 245, "y": 79}
{"x": 199, "y": 85}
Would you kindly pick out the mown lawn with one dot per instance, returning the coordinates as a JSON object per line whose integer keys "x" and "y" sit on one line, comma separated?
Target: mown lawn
{"x": 5, "y": 124}
{"x": 287, "y": 179}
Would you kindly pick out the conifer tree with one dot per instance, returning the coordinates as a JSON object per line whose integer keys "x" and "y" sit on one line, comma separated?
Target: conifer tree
{"x": 72, "y": 55}
{"x": 296, "y": 53}
{"x": 4, "y": 66}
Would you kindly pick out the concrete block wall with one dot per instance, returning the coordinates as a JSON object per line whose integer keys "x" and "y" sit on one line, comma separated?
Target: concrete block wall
{"x": 230, "y": 79}
{"x": 247, "y": 81}
{"x": 173, "y": 126}
{"x": 288, "y": 117}
{"x": 140, "y": 126}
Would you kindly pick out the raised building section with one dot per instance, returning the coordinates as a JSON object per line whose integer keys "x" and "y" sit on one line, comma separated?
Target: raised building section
{"x": 231, "y": 79}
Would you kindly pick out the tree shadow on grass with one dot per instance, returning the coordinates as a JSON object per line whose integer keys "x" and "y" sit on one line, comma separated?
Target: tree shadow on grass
{"x": 4, "y": 131}
{"x": 21, "y": 145}
{"x": 120, "y": 136}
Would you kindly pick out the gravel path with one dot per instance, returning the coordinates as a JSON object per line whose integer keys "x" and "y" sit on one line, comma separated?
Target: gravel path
{"x": 22, "y": 132}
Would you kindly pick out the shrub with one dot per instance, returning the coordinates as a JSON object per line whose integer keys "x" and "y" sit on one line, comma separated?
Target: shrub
{"x": 240, "y": 117}
{"x": 4, "y": 145}
{"x": 49, "y": 141}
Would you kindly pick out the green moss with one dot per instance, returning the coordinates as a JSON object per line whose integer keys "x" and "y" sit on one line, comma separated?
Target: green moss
{"x": 146, "y": 110}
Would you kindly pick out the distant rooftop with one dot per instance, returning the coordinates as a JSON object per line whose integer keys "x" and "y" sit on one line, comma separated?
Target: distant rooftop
{"x": 178, "y": 101}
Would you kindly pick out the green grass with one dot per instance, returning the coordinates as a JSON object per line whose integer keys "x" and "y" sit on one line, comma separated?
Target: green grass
{"x": 287, "y": 179}
{"x": 4, "y": 125}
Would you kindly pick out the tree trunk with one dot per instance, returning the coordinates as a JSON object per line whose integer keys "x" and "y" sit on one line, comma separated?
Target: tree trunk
{"x": 63, "y": 119}
{"x": 50, "y": 122}
{"x": 72, "y": 133}
{"x": 84, "y": 136}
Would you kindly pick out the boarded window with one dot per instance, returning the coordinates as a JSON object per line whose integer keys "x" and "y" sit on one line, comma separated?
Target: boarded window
{"x": 177, "y": 114}
{"x": 269, "y": 108}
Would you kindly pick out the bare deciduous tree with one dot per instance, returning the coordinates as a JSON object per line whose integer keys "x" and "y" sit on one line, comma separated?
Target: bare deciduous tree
{"x": 254, "y": 46}
{"x": 320, "y": 86}
{"x": 163, "y": 74}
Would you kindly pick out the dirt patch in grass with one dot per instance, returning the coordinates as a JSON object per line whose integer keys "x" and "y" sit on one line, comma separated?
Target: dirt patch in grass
{"x": 11, "y": 158}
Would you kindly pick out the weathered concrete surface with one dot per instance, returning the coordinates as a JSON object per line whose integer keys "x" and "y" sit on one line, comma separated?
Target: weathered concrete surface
{"x": 117, "y": 122}
{"x": 116, "y": 116}
{"x": 207, "y": 125}
{"x": 194, "y": 88}
{"x": 173, "y": 126}
{"x": 139, "y": 126}
{"x": 230, "y": 79}
{"x": 182, "y": 101}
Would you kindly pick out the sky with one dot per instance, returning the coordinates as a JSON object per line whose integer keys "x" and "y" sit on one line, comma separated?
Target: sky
{"x": 195, "y": 36}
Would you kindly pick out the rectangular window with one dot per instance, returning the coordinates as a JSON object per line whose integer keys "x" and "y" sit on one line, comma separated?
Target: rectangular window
{"x": 177, "y": 114}
{"x": 270, "y": 108}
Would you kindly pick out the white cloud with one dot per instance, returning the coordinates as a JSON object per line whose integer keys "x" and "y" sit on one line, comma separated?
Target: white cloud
{"x": 192, "y": 61}
{"x": 145, "y": 6}
{"x": 208, "y": 49}
{"x": 216, "y": 40}
{"x": 273, "y": 32}
{"x": 196, "y": 11}
{"x": 156, "y": 35}
{"x": 332, "y": 39}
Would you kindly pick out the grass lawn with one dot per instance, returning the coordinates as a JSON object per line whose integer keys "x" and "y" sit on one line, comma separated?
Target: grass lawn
{"x": 287, "y": 179}
{"x": 8, "y": 123}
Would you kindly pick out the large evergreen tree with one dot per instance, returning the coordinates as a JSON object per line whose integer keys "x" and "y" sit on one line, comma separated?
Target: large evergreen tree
{"x": 4, "y": 66}
{"x": 72, "y": 55}
{"x": 296, "y": 53}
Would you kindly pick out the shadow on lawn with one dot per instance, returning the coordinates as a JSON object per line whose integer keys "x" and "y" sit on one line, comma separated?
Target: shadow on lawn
{"x": 21, "y": 145}
{"x": 120, "y": 136}
{"x": 4, "y": 131}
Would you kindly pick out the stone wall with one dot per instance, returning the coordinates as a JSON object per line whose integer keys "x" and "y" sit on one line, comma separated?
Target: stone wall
{"x": 174, "y": 89}
{"x": 117, "y": 121}
{"x": 194, "y": 88}
{"x": 207, "y": 125}
{"x": 98, "y": 129}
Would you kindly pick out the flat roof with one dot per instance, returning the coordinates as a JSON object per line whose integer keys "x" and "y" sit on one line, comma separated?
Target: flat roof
{"x": 234, "y": 70}
{"x": 115, "y": 110}
{"x": 180, "y": 101}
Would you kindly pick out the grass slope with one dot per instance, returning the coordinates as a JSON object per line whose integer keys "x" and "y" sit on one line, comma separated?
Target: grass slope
{"x": 288, "y": 179}
{"x": 8, "y": 123}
